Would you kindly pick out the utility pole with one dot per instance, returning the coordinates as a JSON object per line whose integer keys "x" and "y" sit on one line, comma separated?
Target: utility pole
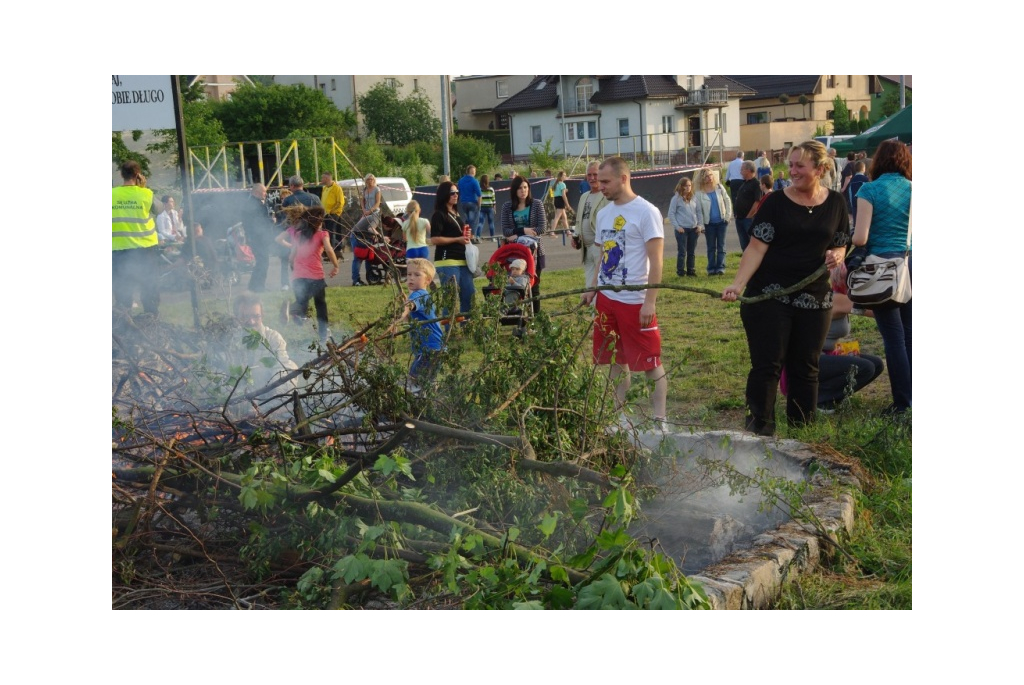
{"x": 446, "y": 105}
{"x": 186, "y": 190}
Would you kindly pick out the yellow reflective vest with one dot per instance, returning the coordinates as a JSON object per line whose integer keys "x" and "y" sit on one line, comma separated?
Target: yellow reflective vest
{"x": 132, "y": 225}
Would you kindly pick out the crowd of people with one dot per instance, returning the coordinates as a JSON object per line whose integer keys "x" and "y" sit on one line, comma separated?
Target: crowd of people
{"x": 788, "y": 228}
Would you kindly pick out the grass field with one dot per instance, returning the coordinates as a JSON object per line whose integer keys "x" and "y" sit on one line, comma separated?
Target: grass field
{"x": 705, "y": 353}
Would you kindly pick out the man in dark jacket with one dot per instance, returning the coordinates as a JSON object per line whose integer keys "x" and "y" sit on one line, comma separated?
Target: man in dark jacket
{"x": 259, "y": 233}
{"x": 747, "y": 196}
{"x": 299, "y": 196}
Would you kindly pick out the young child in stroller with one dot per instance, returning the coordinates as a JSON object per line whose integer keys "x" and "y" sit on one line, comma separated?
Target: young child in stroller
{"x": 517, "y": 259}
{"x": 518, "y": 282}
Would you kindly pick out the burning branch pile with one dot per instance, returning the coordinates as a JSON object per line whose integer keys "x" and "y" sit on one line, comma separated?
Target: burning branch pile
{"x": 337, "y": 483}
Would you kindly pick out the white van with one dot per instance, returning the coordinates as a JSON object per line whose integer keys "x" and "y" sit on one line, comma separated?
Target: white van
{"x": 395, "y": 192}
{"x": 828, "y": 140}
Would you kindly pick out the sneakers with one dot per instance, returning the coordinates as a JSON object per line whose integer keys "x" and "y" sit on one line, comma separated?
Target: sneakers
{"x": 356, "y": 284}
{"x": 285, "y": 287}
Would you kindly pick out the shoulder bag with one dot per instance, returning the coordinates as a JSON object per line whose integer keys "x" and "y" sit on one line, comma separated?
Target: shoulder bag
{"x": 879, "y": 282}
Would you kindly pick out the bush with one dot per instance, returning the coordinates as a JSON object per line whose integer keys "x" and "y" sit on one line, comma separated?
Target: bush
{"x": 464, "y": 150}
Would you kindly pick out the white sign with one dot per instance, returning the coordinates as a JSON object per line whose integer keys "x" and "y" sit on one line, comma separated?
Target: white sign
{"x": 142, "y": 103}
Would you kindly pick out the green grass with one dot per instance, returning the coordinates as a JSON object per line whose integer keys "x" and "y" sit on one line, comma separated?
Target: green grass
{"x": 705, "y": 353}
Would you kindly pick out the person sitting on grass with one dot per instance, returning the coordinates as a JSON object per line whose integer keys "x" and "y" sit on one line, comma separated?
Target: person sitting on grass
{"x": 425, "y": 333}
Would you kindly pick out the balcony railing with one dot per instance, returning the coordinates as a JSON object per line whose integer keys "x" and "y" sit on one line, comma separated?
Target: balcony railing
{"x": 703, "y": 97}
{"x": 574, "y": 106}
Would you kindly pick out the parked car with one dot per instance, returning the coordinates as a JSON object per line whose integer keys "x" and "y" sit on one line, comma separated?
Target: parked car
{"x": 395, "y": 191}
{"x": 828, "y": 140}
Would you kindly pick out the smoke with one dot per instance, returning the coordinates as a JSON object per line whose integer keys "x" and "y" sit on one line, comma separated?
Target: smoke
{"x": 693, "y": 512}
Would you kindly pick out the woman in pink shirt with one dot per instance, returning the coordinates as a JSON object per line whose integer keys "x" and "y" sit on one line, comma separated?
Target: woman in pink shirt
{"x": 308, "y": 243}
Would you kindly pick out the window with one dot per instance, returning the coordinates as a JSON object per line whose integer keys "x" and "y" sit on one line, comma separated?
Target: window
{"x": 323, "y": 88}
{"x": 503, "y": 121}
{"x": 830, "y": 81}
{"x": 415, "y": 84}
{"x": 720, "y": 122}
{"x": 581, "y": 130}
{"x": 623, "y": 127}
{"x": 757, "y": 117}
{"x": 830, "y": 114}
{"x": 502, "y": 88}
{"x": 666, "y": 124}
{"x": 689, "y": 83}
{"x": 584, "y": 91}
{"x": 535, "y": 134}
{"x": 849, "y": 81}
{"x": 391, "y": 83}
{"x": 334, "y": 85}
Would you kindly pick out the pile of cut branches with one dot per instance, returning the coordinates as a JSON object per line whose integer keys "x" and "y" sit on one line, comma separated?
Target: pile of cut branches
{"x": 341, "y": 483}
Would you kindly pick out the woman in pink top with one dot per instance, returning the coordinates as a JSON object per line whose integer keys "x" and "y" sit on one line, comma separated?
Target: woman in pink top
{"x": 308, "y": 243}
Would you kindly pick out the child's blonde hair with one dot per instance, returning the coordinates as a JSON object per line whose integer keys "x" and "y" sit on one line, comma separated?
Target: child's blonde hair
{"x": 412, "y": 221}
{"x": 424, "y": 265}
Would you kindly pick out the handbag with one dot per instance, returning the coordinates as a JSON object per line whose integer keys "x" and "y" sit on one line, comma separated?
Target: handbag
{"x": 879, "y": 282}
{"x": 472, "y": 258}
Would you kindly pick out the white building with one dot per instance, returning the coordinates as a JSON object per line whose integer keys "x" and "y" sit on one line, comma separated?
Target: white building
{"x": 666, "y": 118}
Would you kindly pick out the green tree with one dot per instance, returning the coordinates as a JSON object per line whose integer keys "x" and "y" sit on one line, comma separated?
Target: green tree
{"x": 803, "y": 103}
{"x": 891, "y": 102}
{"x": 841, "y": 117}
{"x": 396, "y": 120}
{"x": 201, "y": 126}
{"x": 783, "y": 99}
{"x": 278, "y": 112}
{"x": 121, "y": 153}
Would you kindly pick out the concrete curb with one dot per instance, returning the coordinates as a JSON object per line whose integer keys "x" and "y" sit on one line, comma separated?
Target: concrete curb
{"x": 753, "y": 578}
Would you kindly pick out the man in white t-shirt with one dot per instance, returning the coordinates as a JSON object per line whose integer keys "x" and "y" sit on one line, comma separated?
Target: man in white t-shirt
{"x": 733, "y": 177}
{"x": 631, "y": 236}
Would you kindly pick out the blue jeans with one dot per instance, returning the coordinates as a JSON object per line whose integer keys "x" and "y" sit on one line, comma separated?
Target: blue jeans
{"x": 462, "y": 278}
{"x": 357, "y": 263}
{"x": 714, "y": 234}
{"x": 686, "y": 246}
{"x": 485, "y": 213}
{"x": 470, "y": 210}
{"x": 895, "y": 327}
{"x": 743, "y": 232}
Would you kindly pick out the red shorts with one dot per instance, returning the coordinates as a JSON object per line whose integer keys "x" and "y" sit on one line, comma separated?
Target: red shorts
{"x": 619, "y": 339}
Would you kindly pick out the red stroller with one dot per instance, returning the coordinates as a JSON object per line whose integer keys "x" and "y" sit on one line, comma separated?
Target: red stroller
{"x": 512, "y": 313}
{"x": 384, "y": 257}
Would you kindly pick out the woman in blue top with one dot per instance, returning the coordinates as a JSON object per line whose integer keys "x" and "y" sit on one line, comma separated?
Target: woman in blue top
{"x": 560, "y": 203}
{"x": 884, "y": 221}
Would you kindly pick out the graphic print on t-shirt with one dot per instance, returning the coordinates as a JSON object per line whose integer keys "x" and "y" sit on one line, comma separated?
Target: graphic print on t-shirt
{"x": 613, "y": 268}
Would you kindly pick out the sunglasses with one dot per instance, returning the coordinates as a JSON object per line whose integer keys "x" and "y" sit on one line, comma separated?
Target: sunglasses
{"x": 454, "y": 192}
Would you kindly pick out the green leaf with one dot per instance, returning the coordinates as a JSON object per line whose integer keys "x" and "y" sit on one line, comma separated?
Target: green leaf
{"x": 352, "y": 568}
{"x": 547, "y": 524}
{"x": 248, "y": 498}
{"x": 532, "y": 605}
{"x": 604, "y": 593}
{"x": 513, "y": 534}
{"x": 327, "y": 475}
{"x": 559, "y": 598}
{"x": 559, "y": 574}
{"x": 384, "y": 464}
{"x": 387, "y": 574}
